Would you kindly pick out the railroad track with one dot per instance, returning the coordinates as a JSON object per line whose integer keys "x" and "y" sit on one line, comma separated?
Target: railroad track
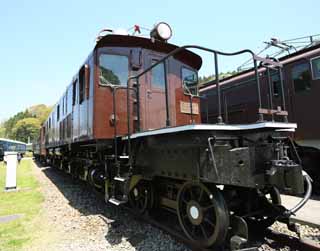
{"x": 292, "y": 242}
{"x": 281, "y": 239}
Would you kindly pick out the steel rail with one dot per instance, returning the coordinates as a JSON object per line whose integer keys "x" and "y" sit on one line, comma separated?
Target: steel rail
{"x": 292, "y": 242}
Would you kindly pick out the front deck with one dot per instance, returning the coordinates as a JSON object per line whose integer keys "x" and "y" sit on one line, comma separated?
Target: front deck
{"x": 216, "y": 127}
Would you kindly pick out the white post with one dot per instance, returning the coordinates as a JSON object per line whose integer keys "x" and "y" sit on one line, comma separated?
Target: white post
{"x": 11, "y": 174}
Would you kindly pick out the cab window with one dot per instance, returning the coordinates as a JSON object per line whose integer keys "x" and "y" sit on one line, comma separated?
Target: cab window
{"x": 190, "y": 81}
{"x": 158, "y": 77}
{"x": 301, "y": 77}
{"x": 315, "y": 64}
{"x": 113, "y": 69}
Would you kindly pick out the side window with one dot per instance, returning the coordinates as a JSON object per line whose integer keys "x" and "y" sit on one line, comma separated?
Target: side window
{"x": 66, "y": 103}
{"x": 70, "y": 98}
{"x": 82, "y": 85}
{"x": 301, "y": 77}
{"x": 275, "y": 80}
{"x": 63, "y": 110}
{"x": 58, "y": 112}
{"x": 189, "y": 81}
{"x": 315, "y": 65}
{"x": 74, "y": 92}
{"x": 114, "y": 69}
{"x": 157, "y": 75}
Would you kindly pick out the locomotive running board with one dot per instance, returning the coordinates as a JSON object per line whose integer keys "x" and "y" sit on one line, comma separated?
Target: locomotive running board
{"x": 207, "y": 127}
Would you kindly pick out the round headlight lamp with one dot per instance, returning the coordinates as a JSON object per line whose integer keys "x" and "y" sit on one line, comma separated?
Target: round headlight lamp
{"x": 162, "y": 31}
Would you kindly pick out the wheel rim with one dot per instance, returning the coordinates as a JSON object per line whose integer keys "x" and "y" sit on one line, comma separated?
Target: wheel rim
{"x": 140, "y": 197}
{"x": 202, "y": 214}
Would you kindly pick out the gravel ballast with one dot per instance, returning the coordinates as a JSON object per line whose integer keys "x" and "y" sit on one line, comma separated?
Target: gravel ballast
{"x": 79, "y": 220}
{"x": 76, "y": 219}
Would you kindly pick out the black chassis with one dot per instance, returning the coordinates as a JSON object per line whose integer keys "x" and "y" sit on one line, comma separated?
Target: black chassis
{"x": 249, "y": 158}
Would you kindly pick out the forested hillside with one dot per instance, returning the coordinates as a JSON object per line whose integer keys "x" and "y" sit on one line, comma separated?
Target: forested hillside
{"x": 205, "y": 79}
{"x": 25, "y": 124}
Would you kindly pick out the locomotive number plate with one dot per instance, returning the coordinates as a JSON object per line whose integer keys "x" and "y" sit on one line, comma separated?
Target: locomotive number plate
{"x": 185, "y": 107}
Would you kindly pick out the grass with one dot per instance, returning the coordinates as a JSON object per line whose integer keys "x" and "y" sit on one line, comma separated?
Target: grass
{"x": 26, "y": 201}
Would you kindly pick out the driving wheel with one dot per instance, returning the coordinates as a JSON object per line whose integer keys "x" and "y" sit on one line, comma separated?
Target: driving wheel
{"x": 203, "y": 214}
{"x": 141, "y": 197}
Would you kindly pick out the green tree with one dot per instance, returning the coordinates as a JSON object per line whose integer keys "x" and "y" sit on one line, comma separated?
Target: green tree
{"x": 11, "y": 122}
{"x": 205, "y": 79}
{"x": 12, "y": 130}
{"x": 108, "y": 77}
{"x": 40, "y": 111}
{"x": 2, "y": 131}
{"x": 26, "y": 128}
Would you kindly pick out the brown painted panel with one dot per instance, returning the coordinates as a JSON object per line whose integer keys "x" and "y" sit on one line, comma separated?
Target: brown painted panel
{"x": 304, "y": 106}
{"x": 183, "y": 118}
{"x": 103, "y": 125}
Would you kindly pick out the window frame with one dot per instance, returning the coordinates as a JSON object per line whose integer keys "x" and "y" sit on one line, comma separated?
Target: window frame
{"x": 63, "y": 98}
{"x": 58, "y": 112}
{"x": 164, "y": 65}
{"x": 106, "y": 52}
{"x": 66, "y": 102}
{"x": 296, "y": 64}
{"x": 82, "y": 84}
{"x": 182, "y": 85}
{"x": 312, "y": 76}
{"x": 274, "y": 73}
{"x": 74, "y": 92}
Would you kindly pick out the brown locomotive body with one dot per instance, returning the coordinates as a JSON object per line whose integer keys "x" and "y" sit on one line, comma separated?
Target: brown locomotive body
{"x": 129, "y": 124}
{"x": 85, "y": 111}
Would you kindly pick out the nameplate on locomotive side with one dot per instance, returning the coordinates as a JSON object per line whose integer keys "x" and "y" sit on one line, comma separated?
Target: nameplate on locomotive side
{"x": 185, "y": 107}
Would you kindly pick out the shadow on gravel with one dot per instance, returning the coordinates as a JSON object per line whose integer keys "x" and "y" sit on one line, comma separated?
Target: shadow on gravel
{"x": 121, "y": 225}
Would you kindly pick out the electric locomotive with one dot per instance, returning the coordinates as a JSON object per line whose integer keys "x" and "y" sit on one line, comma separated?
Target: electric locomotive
{"x": 129, "y": 124}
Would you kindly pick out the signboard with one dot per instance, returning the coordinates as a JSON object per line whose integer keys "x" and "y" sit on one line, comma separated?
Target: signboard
{"x": 185, "y": 107}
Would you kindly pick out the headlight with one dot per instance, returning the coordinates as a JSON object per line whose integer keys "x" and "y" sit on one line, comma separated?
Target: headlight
{"x": 161, "y": 31}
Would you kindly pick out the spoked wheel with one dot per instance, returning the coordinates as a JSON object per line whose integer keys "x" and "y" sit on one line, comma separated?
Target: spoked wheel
{"x": 202, "y": 214}
{"x": 265, "y": 201}
{"x": 141, "y": 197}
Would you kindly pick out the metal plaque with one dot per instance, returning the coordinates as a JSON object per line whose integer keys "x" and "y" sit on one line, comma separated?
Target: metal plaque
{"x": 185, "y": 107}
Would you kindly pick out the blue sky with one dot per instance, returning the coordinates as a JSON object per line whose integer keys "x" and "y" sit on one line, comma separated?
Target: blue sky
{"x": 43, "y": 43}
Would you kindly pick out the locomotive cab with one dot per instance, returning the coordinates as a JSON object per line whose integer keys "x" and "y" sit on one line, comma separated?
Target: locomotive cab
{"x": 164, "y": 91}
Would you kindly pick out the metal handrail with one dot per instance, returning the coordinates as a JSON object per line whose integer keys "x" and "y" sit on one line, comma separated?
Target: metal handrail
{"x": 115, "y": 88}
{"x": 172, "y": 53}
{"x": 216, "y": 53}
{"x": 277, "y": 67}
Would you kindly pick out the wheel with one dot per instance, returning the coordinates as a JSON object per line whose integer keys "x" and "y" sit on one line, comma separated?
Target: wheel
{"x": 265, "y": 201}
{"x": 202, "y": 214}
{"x": 141, "y": 197}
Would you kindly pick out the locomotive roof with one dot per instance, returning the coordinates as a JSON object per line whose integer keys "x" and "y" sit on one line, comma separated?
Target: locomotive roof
{"x": 185, "y": 56}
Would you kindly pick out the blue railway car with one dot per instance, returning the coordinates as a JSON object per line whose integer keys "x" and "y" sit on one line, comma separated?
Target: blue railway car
{"x": 12, "y": 145}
